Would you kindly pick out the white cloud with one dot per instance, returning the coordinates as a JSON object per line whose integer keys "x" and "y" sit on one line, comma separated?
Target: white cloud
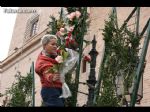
{"x": 7, "y": 21}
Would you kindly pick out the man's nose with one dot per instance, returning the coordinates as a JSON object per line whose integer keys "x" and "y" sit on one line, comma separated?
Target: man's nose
{"x": 55, "y": 46}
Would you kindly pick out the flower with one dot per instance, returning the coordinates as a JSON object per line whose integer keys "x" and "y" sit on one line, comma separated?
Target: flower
{"x": 71, "y": 28}
{"x": 78, "y": 14}
{"x": 68, "y": 29}
{"x": 87, "y": 58}
{"x": 59, "y": 59}
{"x": 67, "y": 41}
{"x": 69, "y": 17}
{"x": 72, "y": 41}
{"x": 58, "y": 34}
{"x": 62, "y": 30}
{"x": 72, "y": 15}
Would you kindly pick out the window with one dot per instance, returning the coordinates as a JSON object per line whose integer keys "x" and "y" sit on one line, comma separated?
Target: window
{"x": 33, "y": 29}
{"x": 31, "y": 26}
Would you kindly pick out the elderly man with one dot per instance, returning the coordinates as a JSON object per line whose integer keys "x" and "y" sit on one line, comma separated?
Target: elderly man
{"x": 51, "y": 84}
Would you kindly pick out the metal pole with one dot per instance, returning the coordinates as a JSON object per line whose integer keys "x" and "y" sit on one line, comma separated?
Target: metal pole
{"x": 145, "y": 27}
{"x": 80, "y": 56}
{"x": 140, "y": 66}
{"x": 137, "y": 22}
{"x": 126, "y": 21}
{"x": 33, "y": 85}
{"x": 115, "y": 16}
{"x": 92, "y": 79}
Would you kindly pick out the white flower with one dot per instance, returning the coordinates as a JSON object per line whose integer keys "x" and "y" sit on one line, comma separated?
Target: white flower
{"x": 59, "y": 59}
{"x": 62, "y": 30}
{"x": 78, "y": 14}
{"x": 69, "y": 17}
{"x": 60, "y": 34}
{"x": 71, "y": 28}
{"x": 72, "y": 15}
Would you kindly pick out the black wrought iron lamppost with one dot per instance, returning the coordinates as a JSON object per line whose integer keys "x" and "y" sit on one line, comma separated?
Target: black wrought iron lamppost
{"x": 92, "y": 79}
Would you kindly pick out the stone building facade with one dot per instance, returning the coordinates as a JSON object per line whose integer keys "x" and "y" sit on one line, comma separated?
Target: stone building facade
{"x": 25, "y": 46}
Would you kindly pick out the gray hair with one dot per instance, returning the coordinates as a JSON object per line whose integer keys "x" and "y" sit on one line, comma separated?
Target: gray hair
{"x": 47, "y": 38}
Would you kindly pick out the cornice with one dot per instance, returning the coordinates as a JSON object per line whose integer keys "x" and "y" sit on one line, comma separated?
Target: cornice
{"x": 28, "y": 44}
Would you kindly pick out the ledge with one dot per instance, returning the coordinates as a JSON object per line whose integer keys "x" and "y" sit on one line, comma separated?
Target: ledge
{"x": 28, "y": 44}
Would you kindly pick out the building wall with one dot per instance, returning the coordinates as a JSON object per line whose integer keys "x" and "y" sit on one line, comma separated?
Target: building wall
{"x": 21, "y": 24}
{"x": 97, "y": 16}
{"x": 146, "y": 76}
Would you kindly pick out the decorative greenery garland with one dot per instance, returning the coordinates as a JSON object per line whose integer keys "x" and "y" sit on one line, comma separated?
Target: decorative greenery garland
{"x": 68, "y": 29}
{"x": 120, "y": 60}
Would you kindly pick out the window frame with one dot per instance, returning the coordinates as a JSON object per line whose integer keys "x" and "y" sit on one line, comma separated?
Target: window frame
{"x": 34, "y": 27}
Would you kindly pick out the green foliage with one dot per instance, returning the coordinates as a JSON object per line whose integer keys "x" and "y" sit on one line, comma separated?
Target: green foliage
{"x": 72, "y": 9}
{"x": 53, "y": 25}
{"x": 120, "y": 60}
{"x": 20, "y": 93}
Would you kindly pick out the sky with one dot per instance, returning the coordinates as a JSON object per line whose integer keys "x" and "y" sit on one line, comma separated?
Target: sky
{"x": 7, "y": 21}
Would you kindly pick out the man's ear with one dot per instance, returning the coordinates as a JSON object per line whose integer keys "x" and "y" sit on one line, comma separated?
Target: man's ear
{"x": 44, "y": 47}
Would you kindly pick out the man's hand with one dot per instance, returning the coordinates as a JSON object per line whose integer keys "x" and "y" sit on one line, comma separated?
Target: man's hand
{"x": 52, "y": 77}
{"x": 56, "y": 77}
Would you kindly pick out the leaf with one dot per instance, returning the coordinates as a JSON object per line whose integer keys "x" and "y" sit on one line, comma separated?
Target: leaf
{"x": 61, "y": 14}
{"x": 54, "y": 69}
{"x": 64, "y": 54}
{"x": 59, "y": 42}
